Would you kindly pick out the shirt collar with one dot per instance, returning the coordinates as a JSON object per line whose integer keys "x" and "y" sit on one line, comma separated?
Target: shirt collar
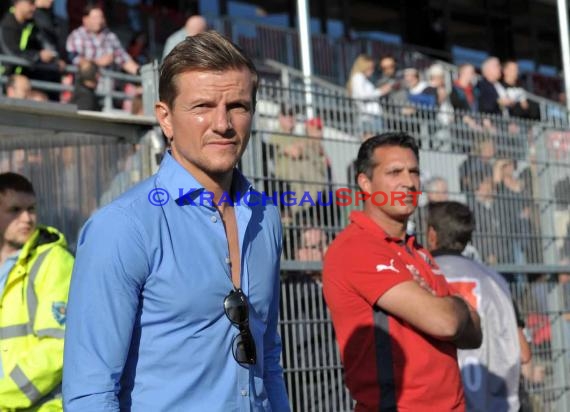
{"x": 177, "y": 181}
{"x": 445, "y": 251}
{"x": 14, "y": 256}
{"x": 365, "y": 222}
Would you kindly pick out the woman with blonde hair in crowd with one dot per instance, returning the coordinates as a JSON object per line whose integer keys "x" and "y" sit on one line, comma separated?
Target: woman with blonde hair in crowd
{"x": 366, "y": 95}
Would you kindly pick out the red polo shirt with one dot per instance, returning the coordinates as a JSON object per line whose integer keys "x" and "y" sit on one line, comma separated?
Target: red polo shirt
{"x": 388, "y": 364}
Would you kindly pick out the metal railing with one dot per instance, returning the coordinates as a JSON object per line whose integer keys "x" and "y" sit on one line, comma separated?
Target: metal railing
{"x": 76, "y": 162}
{"x": 529, "y": 225}
{"x": 333, "y": 57}
{"x": 106, "y": 89}
{"x": 313, "y": 371}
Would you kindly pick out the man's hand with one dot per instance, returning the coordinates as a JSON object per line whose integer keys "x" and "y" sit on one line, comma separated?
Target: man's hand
{"x": 294, "y": 151}
{"x": 47, "y": 56}
{"x": 105, "y": 60}
{"x": 471, "y": 336}
{"x": 385, "y": 89}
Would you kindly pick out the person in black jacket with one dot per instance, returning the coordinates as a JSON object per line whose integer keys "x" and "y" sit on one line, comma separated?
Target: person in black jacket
{"x": 50, "y": 27}
{"x": 20, "y": 38}
{"x": 84, "y": 94}
{"x": 492, "y": 96}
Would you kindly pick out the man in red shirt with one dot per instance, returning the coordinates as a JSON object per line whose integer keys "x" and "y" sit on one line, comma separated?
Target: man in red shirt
{"x": 397, "y": 325}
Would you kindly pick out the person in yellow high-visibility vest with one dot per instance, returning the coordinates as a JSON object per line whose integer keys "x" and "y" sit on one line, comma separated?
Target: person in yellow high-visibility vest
{"x": 35, "y": 271}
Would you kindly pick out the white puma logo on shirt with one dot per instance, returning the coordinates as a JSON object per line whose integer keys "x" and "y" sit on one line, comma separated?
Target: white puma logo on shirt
{"x": 380, "y": 268}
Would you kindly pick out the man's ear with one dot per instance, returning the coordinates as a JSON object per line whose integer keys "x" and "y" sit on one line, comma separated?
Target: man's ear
{"x": 364, "y": 183}
{"x": 162, "y": 112}
{"x": 431, "y": 238}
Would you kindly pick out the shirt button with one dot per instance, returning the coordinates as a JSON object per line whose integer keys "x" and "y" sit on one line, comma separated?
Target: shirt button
{"x": 228, "y": 260}
{"x": 244, "y": 392}
{"x": 214, "y": 219}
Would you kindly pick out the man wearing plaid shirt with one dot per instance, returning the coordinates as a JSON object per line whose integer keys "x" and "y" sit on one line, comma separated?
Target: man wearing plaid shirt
{"x": 94, "y": 41}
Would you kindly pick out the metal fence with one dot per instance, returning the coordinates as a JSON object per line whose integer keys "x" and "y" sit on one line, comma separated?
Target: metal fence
{"x": 514, "y": 173}
{"x": 79, "y": 162}
{"x": 333, "y": 57}
{"x": 314, "y": 374}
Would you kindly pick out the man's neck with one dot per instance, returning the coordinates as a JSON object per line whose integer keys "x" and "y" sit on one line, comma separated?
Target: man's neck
{"x": 464, "y": 83}
{"x": 218, "y": 184}
{"x": 7, "y": 250}
{"x": 394, "y": 228}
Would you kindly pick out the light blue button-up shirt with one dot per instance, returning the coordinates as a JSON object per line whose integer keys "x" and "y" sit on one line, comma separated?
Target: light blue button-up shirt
{"x": 146, "y": 328}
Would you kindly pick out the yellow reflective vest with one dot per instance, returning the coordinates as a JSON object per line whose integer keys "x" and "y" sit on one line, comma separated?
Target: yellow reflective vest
{"x": 32, "y": 324}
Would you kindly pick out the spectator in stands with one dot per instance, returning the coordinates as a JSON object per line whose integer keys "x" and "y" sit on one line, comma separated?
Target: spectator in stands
{"x": 520, "y": 105}
{"x": 391, "y": 309}
{"x": 138, "y": 48}
{"x": 418, "y": 91}
{"x": 313, "y": 245}
{"x": 387, "y": 66}
{"x": 48, "y": 26}
{"x": 513, "y": 210}
{"x": 481, "y": 161}
{"x": 418, "y": 107}
{"x": 59, "y": 9}
{"x": 496, "y": 364}
{"x": 366, "y": 95}
{"x": 437, "y": 87}
{"x": 18, "y": 87}
{"x": 492, "y": 95}
{"x": 301, "y": 163}
{"x": 20, "y": 38}
{"x": 38, "y": 96}
{"x": 464, "y": 96}
{"x": 277, "y": 149}
{"x": 389, "y": 75}
{"x": 194, "y": 25}
{"x": 487, "y": 228}
{"x": 94, "y": 41}
{"x": 84, "y": 94}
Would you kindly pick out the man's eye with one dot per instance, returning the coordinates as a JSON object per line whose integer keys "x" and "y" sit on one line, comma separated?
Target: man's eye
{"x": 239, "y": 108}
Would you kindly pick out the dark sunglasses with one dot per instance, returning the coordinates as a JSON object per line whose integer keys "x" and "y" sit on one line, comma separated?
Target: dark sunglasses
{"x": 236, "y": 309}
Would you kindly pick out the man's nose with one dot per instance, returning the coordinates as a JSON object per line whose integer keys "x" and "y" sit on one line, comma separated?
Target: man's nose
{"x": 408, "y": 180}
{"x": 221, "y": 122}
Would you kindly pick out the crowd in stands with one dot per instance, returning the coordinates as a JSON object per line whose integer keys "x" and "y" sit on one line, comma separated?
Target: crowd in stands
{"x": 30, "y": 31}
{"x": 381, "y": 94}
